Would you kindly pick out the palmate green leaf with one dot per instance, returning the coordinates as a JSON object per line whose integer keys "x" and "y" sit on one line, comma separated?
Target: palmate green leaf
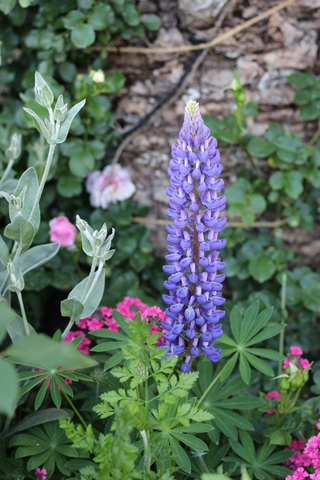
{"x": 108, "y": 346}
{"x": 243, "y": 403}
{"x": 41, "y": 394}
{"x": 47, "y": 442}
{"x": 114, "y": 360}
{"x": 194, "y": 428}
{"x": 265, "y": 334}
{"x": 28, "y": 386}
{"x": 244, "y": 368}
{"x": 38, "y": 418}
{"x": 43, "y": 352}
{"x": 248, "y": 321}
{"x": 266, "y": 353}
{"x": 229, "y": 366}
{"x": 235, "y": 322}
{"x": 9, "y": 379}
{"x": 105, "y": 333}
{"x": 123, "y": 322}
{"x": 260, "y": 322}
{"x": 190, "y": 440}
{"x": 182, "y": 458}
{"x": 259, "y": 364}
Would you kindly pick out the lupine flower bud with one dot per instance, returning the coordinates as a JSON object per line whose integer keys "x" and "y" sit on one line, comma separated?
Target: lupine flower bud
{"x": 194, "y": 281}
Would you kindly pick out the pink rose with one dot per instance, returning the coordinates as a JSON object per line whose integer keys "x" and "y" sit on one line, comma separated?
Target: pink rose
{"x": 62, "y": 231}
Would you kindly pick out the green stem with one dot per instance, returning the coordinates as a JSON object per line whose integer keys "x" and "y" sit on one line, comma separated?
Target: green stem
{"x": 7, "y": 170}
{"x": 76, "y": 411}
{"x": 23, "y": 313}
{"x": 283, "y": 317}
{"x": 209, "y": 388}
{"x": 44, "y": 177}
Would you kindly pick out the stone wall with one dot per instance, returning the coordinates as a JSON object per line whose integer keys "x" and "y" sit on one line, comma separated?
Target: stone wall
{"x": 263, "y": 56}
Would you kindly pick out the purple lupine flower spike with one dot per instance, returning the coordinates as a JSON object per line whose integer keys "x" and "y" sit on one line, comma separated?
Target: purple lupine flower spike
{"x": 194, "y": 281}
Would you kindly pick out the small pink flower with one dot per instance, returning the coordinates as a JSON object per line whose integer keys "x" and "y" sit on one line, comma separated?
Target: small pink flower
{"x": 112, "y": 324}
{"x": 95, "y": 324}
{"x": 296, "y": 351}
{"x": 130, "y": 306}
{"x": 83, "y": 323}
{"x": 62, "y": 231}
{"x": 113, "y": 184}
{"x": 106, "y": 312}
{"x": 273, "y": 394}
{"x": 269, "y": 412}
{"x": 304, "y": 362}
{"x": 40, "y": 474}
{"x": 83, "y": 345}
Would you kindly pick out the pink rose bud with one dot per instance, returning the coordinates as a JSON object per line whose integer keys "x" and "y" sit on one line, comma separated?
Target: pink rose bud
{"x": 62, "y": 231}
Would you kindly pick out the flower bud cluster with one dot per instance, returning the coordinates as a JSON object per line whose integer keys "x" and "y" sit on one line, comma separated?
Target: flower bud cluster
{"x": 195, "y": 281}
{"x": 14, "y": 149}
{"x": 296, "y": 371}
{"x": 95, "y": 243}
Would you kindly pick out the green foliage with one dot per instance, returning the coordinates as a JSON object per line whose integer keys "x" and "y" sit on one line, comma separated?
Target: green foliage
{"x": 45, "y": 446}
{"x": 156, "y": 398}
{"x": 261, "y": 464}
{"x": 114, "y": 453}
{"x": 248, "y": 331}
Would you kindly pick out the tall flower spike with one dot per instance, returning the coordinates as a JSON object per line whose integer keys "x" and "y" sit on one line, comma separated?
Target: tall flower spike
{"x": 194, "y": 281}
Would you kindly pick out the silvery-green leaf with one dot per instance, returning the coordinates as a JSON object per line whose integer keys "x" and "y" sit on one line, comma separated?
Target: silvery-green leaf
{"x": 36, "y": 256}
{"x": 60, "y": 110}
{"x": 65, "y": 125}
{"x": 30, "y": 210}
{"x": 92, "y": 302}
{"x": 16, "y": 284}
{"x": 109, "y": 254}
{"x": 39, "y": 124}
{"x": 5, "y": 195}
{"x": 73, "y": 308}
{"x": 20, "y": 230}
{"x": 4, "y": 251}
{"x": 42, "y": 91}
{"x": 25, "y": 3}
{"x": 16, "y": 329}
{"x": 9, "y": 185}
{"x": 4, "y": 283}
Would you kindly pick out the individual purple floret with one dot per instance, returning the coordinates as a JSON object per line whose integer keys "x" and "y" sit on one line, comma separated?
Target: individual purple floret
{"x": 194, "y": 281}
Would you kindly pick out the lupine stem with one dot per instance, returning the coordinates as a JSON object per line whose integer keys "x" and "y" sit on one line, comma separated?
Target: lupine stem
{"x": 76, "y": 411}
{"x": 209, "y": 388}
{"x": 283, "y": 321}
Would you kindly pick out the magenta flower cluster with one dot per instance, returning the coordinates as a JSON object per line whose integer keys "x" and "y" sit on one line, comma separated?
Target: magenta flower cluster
{"x": 306, "y": 457}
{"x": 194, "y": 283}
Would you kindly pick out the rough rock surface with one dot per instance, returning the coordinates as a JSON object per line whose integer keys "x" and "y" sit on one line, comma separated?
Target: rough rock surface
{"x": 263, "y": 55}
